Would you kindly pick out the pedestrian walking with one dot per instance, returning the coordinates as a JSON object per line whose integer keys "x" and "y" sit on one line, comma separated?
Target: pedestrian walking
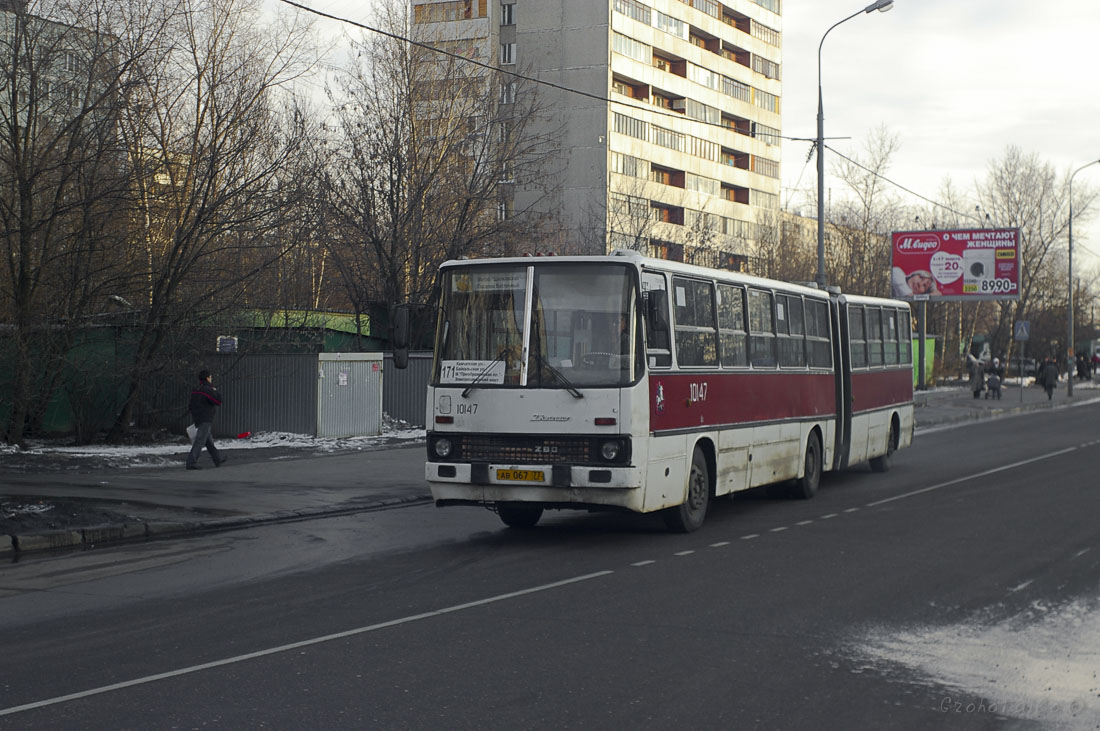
{"x": 1048, "y": 377}
{"x": 977, "y": 375}
{"x": 204, "y": 403}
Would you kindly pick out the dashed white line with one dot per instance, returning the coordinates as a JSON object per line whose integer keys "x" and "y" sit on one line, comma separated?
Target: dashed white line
{"x": 750, "y": 536}
{"x": 1018, "y": 587}
{"x": 974, "y": 476}
{"x": 643, "y": 563}
{"x": 776, "y": 530}
{"x": 830, "y": 515}
{"x": 298, "y": 645}
{"x": 719, "y": 544}
{"x": 804, "y": 522}
{"x": 683, "y": 553}
{"x": 852, "y": 510}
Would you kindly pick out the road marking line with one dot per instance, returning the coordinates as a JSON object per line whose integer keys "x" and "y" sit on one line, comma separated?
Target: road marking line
{"x": 776, "y": 530}
{"x": 804, "y": 522}
{"x": 683, "y": 553}
{"x": 297, "y": 645}
{"x": 643, "y": 563}
{"x": 750, "y": 536}
{"x": 976, "y": 475}
{"x": 830, "y": 515}
{"x": 1081, "y": 553}
{"x": 851, "y": 510}
{"x": 1018, "y": 587}
{"x": 719, "y": 544}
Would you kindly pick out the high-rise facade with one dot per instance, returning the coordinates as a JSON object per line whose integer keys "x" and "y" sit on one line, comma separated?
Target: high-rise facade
{"x": 672, "y": 146}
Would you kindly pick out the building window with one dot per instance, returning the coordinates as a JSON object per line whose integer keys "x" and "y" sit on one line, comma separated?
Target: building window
{"x": 672, "y": 26}
{"x": 507, "y": 14}
{"x": 635, "y": 167}
{"x": 507, "y": 53}
{"x": 764, "y": 166}
{"x": 766, "y": 101}
{"x": 763, "y": 66}
{"x": 508, "y": 92}
{"x": 625, "y": 125}
{"x": 627, "y": 46}
{"x": 633, "y": 9}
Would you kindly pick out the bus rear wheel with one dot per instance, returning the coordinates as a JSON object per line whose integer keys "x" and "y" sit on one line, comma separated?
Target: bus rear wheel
{"x": 805, "y": 487}
{"x": 882, "y": 462}
{"x": 689, "y": 515}
{"x": 519, "y": 515}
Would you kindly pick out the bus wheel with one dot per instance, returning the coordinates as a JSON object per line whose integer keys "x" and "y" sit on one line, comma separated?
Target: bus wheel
{"x": 882, "y": 463}
{"x": 806, "y": 486}
{"x": 519, "y": 515}
{"x": 690, "y": 514}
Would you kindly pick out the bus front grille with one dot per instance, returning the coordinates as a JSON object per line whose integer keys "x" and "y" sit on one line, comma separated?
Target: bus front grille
{"x": 522, "y": 449}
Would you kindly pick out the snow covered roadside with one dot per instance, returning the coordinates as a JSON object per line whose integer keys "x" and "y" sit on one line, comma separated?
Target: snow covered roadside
{"x": 1042, "y": 665}
{"x": 62, "y": 454}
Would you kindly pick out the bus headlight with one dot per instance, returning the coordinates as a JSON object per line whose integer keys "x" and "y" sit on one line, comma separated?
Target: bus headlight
{"x": 611, "y": 450}
{"x": 443, "y": 447}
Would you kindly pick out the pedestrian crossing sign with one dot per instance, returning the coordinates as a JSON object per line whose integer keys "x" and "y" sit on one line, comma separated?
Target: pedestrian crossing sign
{"x": 1022, "y": 331}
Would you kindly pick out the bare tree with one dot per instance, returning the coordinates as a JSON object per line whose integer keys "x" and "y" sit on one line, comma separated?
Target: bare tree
{"x": 213, "y": 166}
{"x": 62, "y": 179}
{"x": 425, "y": 156}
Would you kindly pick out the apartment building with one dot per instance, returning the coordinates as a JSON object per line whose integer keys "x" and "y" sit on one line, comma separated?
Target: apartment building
{"x": 673, "y": 146}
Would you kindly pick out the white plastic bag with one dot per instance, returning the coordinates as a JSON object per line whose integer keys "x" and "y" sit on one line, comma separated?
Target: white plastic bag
{"x": 192, "y": 430}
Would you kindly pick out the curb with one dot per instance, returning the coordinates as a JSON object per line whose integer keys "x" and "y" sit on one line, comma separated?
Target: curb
{"x": 114, "y": 533}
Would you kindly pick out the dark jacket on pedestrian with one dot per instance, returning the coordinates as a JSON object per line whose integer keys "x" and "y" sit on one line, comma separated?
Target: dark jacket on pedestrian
{"x": 1048, "y": 376}
{"x": 205, "y": 401}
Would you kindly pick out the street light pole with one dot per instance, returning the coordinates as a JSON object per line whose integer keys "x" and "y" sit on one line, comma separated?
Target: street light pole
{"x": 882, "y": 6}
{"x": 1071, "y": 349}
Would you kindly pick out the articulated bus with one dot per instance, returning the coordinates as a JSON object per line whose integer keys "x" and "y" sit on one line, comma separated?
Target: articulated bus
{"x": 624, "y": 382}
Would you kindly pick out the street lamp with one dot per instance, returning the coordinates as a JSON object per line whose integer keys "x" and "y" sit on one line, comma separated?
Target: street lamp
{"x": 882, "y": 6}
{"x": 1071, "y": 350}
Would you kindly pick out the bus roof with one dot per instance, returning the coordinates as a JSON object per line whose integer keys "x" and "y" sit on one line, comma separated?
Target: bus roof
{"x": 623, "y": 256}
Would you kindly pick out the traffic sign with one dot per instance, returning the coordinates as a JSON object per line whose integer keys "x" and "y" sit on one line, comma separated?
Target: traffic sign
{"x": 1022, "y": 331}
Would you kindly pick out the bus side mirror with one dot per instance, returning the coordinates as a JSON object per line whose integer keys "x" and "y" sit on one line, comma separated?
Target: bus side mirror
{"x": 401, "y": 336}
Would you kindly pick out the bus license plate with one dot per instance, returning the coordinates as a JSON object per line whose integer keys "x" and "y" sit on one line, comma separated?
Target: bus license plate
{"x": 520, "y": 475}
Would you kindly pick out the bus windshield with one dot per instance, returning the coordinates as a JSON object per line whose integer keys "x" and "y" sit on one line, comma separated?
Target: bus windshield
{"x": 578, "y": 322}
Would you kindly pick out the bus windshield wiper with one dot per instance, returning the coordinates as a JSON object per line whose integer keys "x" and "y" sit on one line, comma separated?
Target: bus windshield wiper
{"x": 558, "y": 376}
{"x": 485, "y": 371}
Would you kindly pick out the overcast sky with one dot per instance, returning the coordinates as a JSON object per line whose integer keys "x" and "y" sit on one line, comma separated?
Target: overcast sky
{"x": 957, "y": 81}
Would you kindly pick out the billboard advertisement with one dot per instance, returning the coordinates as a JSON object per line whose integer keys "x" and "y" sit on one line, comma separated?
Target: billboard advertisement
{"x": 967, "y": 264}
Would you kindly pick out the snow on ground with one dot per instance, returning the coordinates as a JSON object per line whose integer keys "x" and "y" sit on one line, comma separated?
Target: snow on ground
{"x": 1042, "y": 665}
{"x": 166, "y": 453}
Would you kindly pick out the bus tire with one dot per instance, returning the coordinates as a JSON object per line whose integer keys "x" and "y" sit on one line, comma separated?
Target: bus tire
{"x": 882, "y": 462}
{"x": 689, "y": 515}
{"x": 805, "y": 487}
{"x": 519, "y": 515}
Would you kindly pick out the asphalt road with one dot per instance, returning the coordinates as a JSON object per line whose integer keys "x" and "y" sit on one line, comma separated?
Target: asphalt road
{"x": 424, "y": 618}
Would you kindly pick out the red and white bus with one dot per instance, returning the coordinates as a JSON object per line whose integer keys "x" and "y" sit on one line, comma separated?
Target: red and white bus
{"x": 641, "y": 384}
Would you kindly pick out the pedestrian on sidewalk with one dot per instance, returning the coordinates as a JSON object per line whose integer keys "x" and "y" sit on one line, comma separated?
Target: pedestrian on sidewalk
{"x": 977, "y": 375}
{"x": 995, "y": 379}
{"x": 1048, "y": 377}
{"x": 204, "y": 403}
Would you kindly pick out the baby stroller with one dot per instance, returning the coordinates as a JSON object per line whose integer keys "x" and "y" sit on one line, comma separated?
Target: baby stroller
{"x": 993, "y": 386}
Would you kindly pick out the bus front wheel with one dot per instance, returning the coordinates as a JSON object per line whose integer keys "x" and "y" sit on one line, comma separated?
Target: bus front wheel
{"x": 806, "y": 486}
{"x": 689, "y": 515}
{"x": 519, "y": 515}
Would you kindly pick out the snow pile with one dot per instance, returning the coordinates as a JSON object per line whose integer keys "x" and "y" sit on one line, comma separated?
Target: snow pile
{"x": 1041, "y": 665}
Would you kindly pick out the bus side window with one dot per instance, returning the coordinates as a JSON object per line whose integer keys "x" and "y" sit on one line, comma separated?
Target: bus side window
{"x": 761, "y": 329}
{"x": 696, "y": 326}
{"x": 890, "y": 336}
{"x": 874, "y": 336}
{"x": 658, "y": 327}
{"x": 859, "y": 342}
{"x": 819, "y": 352}
{"x": 731, "y": 326}
{"x": 905, "y": 337}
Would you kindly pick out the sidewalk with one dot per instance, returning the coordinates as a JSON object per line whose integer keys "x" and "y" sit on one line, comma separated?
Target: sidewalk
{"x": 259, "y": 486}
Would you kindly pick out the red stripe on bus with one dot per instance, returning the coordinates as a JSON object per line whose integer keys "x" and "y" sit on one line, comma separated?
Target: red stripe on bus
{"x": 877, "y": 389}
{"x": 678, "y": 401}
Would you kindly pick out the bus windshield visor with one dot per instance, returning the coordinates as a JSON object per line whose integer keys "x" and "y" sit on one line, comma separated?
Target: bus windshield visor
{"x": 578, "y": 323}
